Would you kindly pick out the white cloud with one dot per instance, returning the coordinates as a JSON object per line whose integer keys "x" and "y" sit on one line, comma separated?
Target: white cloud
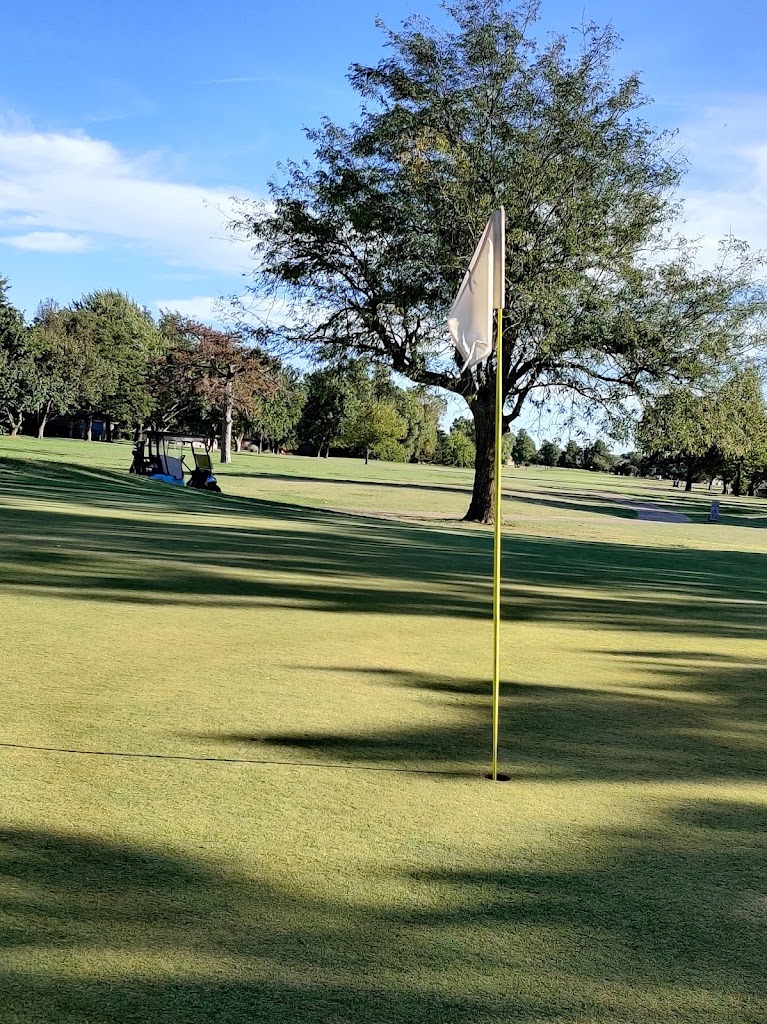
{"x": 726, "y": 189}
{"x": 56, "y": 184}
{"x": 48, "y": 241}
{"x": 206, "y": 308}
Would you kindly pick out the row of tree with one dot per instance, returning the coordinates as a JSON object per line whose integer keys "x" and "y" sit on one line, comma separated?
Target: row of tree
{"x": 357, "y": 406}
{"x": 458, "y": 448}
{"x": 104, "y": 358}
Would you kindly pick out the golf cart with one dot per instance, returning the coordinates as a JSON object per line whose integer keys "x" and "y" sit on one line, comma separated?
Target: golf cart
{"x": 163, "y": 456}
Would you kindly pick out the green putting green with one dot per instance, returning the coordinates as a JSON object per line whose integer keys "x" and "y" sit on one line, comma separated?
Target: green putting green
{"x": 243, "y": 740}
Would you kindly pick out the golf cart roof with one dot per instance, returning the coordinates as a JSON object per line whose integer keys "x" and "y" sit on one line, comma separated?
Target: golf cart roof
{"x": 166, "y": 435}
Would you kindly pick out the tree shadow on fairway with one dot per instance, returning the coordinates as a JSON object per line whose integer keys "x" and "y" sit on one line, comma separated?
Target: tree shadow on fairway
{"x": 685, "y": 898}
{"x": 99, "y": 537}
{"x": 108, "y": 932}
{"x": 575, "y": 501}
{"x": 360, "y": 482}
{"x": 104, "y": 489}
{"x": 636, "y": 924}
{"x": 693, "y": 721}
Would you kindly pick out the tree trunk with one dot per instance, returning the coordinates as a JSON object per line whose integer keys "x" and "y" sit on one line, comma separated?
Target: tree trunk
{"x": 239, "y": 441}
{"x": 690, "y": 474}
{"x": 367, "y": 456}
{"x": 751, "y": 492}
{"x": 43, "y": 421}
{"x": 261, "y": 443}
{"x": 737, "y": 483}
{"x": 483, "y": 492}
{"x": 226, "y": 431}
{"x": 15, "y": 423}
{"x": 108, "y": 431}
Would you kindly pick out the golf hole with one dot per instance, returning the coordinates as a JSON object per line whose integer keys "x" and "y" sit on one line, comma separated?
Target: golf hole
{"x": 499, "y": 777}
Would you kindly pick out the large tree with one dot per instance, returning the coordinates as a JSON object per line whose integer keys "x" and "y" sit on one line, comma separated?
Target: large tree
{"x": 208, "y": 377}
{"x": 421, "y": 410}
{"x": 332, "y": 395}
{"x": 458, "y": 448}
{"x": 93, "y": 358}
{"x": 376, "y": 427}
{"x": 572, "y": 456}
{"x": 549, "y": 454}
{"x": 524, "y": 451}
{"x": 368, "y": 243}
{"x": 273, "y": 418}
{"x": 126, "y": 339}
{"x": 70, "y": 375}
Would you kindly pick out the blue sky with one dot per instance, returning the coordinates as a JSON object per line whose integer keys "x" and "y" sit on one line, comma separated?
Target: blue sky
{"x": 124, "y": 129}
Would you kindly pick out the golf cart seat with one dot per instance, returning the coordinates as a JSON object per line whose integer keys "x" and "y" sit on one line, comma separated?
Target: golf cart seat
{"x": 174, "y": 467}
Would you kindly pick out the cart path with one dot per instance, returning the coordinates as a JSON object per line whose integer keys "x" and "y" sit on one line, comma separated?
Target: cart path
{"x": 649, "y": 512}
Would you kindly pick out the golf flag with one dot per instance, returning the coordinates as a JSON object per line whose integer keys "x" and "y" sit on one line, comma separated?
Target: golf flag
{"x": 481, "y": 291}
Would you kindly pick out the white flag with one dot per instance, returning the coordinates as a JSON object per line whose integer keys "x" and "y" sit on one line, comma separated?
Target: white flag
{"x": 481, "y": 291}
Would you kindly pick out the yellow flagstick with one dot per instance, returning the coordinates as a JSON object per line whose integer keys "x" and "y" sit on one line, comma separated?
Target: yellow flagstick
{"x": 470, "y": 323}
{"x": 497, "y": 540}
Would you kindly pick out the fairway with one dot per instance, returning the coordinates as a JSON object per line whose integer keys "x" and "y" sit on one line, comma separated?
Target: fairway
{"x": 243, "y": 740}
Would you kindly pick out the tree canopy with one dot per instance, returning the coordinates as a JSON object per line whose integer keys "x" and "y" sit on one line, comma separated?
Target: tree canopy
{"x": 524, "y": 451}
{"x": 377, "y": 427}
{"x": 549, "y": 453}
{"x": 17, "y": 368}
{"x": 721, "y": 431}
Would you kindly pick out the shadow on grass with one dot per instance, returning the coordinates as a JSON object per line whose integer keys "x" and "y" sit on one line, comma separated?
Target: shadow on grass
{"x": 690, "y": 721}
{"x": 143, "y": 754}
{"x": 644, "y": 925}
{"x": 360, "y": 482}
{"x": 574, "y": 502}
{"x": 94, "y": 535}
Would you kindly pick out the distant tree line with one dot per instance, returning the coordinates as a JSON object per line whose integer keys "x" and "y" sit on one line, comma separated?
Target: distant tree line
{"x": 457, "y": 448}
{"x": 105, "y": 359}
{"x": 105, "y": 366}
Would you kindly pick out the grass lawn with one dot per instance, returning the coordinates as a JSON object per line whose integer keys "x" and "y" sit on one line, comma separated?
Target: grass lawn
{"x": 243, "y": 739}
